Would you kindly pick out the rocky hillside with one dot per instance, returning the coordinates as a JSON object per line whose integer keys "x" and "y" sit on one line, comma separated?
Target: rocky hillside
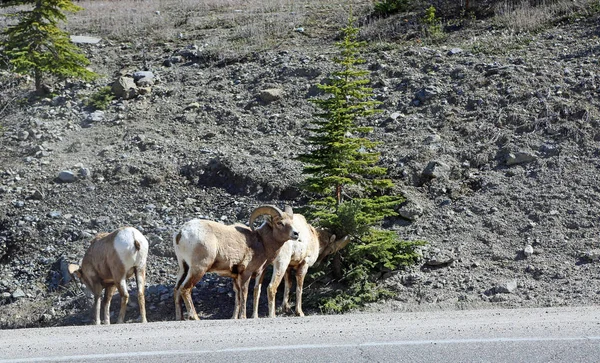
{"x": 492, "y": 135}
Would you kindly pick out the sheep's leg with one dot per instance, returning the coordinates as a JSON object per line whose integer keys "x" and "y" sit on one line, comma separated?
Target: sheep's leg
{"x": 183, "y": 271}
{"x": 97, "y": 299}
{"x": 236, "y": 290}
{"x": 177, "y": 299}
{"x": 140, "y": 281}
{"x": 244, "y": 283}
{"x": 188, "y": 284}
{"x": 258, "y": 280}
{"x": 278, "y": 274}
{"x": 122, "y": 287}
{"x": 300, "y": 274}
{"x": 189, "y": 303}
{"x": 285, "y": 304}
{"x": 97, "y": 291}
{"x": 108, "y": 294}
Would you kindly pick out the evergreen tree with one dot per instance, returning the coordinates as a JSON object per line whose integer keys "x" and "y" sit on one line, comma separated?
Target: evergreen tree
{"x": 36, "y": 45}
{"x": 351, "y": 194}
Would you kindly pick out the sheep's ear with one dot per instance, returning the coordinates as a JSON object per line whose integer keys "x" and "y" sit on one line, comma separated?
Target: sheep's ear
{"x": 288, "y": 210}
{"x": 74, "y": 270}
{"x": 332, "y": 238}
{"x": 269, "y": 220}
{"x": 341, "y": 243}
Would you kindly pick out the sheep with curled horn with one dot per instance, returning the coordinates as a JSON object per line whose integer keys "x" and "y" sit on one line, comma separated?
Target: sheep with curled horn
{"x": 235, "y": 251}
{"x": 312, "y": 246}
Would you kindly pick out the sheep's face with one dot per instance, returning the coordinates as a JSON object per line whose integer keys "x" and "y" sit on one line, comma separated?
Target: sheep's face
{"x": 330, "y": 244}
{"x": 77, "y": 272}
{"x": 283, "y": 229}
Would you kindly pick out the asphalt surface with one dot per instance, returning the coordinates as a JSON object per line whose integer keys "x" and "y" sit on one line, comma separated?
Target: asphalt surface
{"x": 523, "y": 335}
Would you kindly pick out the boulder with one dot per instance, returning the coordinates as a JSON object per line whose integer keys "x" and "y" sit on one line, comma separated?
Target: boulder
{"x": 125, "y": 88}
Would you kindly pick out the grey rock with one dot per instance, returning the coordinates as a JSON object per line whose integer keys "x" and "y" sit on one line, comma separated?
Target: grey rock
{"x": 440, "y": 259}
{"x": 67, "y": 176}
{"x": 528, "y": 251}
{"x": 96, "y": 116}
{"x": 85, "y": 173}
{"x": 427, "y": 93}
{"x": 411, "y": 211}
{"x": 143, "y": 74}
{"x": 125, "y": 88}
{"x": 454, "y": 51}
{"x": 592, "y": 255}
{"x": 145, "y": 82}
{"x": 507, "y": 287}
{"x": 23, "y": 135}
{"x": 18, "y": 294}
{"x": 37, "y": 195}
{"x": 270, "y": 95}
{"x": 395, "y": 115}
{"x": 436, "y": 169}
{"x": 84, "y": 39}
{"x": 410, "y": 279}
{"x": 192, "y": 106}
{"x": 433, "y": 139}
{"x": 102, "y": 220}
{"x": 519, "y": 158}
{"x": 54, "y": 214}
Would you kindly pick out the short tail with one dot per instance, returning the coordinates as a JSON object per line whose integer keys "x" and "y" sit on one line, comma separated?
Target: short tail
{"x": 186, "y": 270}
{"x": 137, "y": 245}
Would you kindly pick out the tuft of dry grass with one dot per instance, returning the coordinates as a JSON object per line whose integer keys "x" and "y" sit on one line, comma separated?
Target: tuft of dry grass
{"x": 528, "y": 18}
{"x": 225, "y": 28}
{"x": 165, "y": 20}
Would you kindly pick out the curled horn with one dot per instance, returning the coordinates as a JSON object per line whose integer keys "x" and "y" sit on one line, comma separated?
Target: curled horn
{"x": 265, "y": 209}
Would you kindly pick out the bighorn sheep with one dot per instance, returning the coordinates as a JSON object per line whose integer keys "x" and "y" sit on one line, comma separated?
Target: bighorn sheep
{"x": 234, "y": 251}
{"x": 110, "y": 260}
{"x": 311, "y": 246}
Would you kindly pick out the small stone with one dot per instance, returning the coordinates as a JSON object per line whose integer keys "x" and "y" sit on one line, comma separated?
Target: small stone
{"x": 436, "y": 169}
{"x": 592, "y": 255}
{"x": 411, "y": 211}
{"x": 454, "y": 51}
{"x": 192, "y": 106}
{"x": 395, "y": 115}
{"x": 270, "y": 95}
{"x": 143, "y": 74}
{"x": 54, "y": 214}
{"x": 37, "y": 195}
{"x": 506, "y": 288}
{"x": 519, "y": 158}
{"x": 18, "y": 294}
{"x": 23, "y": 135}
{"x": 67, "y": 176}
{"x": 96, "y": 116}
{"x": 433, "y": 139}
{"x": 85, "y": 173}
{"x": 528, "y": 251}
{"x": 144, "y": 90}
{"x": 427, "y": 93}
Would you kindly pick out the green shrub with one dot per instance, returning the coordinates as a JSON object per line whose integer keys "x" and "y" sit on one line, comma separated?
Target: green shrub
{"x": 101, "y": 99}
{"x": 433, "y": 24}
{"x": 389, "y": 7}
{"x": 358, "y": 295}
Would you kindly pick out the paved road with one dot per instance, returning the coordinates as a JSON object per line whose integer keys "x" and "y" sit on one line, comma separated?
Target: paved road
{"x": 524, "y": 335}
